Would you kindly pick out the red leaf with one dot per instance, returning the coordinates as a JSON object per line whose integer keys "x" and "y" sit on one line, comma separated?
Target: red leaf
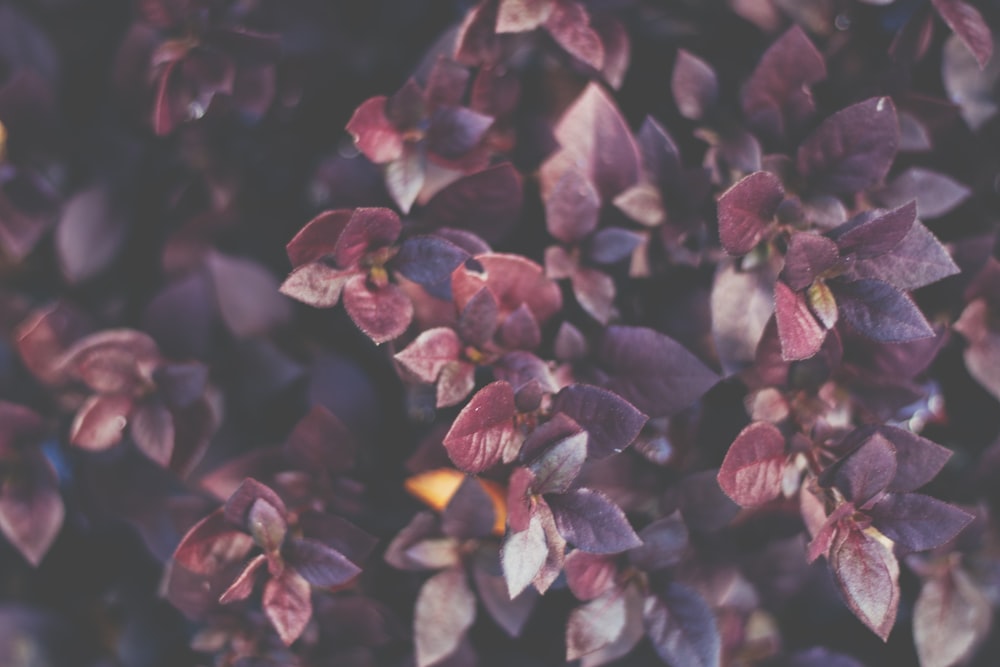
{"x": 287, "y": 602}
{"x": 868, "y": 576}
{"x": 383, "y": 314}
{"x": 917, "y": 522}
{"x": 694, "y": 86}
{"x": 374, "y": 134}
{"x": 100, "y": 421}
{"x": 445, "y": 610}
{"x": 572, "y": 208}
{"x": 247, "y": 493}
{"x": 966, "y": 22}
{"x": 682, "y": 628}
{"x": 569, "y": 26}
{"x": 591, "y": 521}
{"x": 801, "y": 335}
{"x": 429, "y": 352}
{"x": 611, "y": 422}
{"x": 950, "y": 618}
{"x": 483, "y": 430}
{"x": 31, "y": 509}
{"x": 152, "y": 428}
{"x": 594, "y": 625}
{"x": 211, "y": 545}
{"x": 513, "y": 280}
{"x": 522, "y": 555}
{"x": 807, "y": 257}
{"x": 319, "y": 564}
{"x": 752, "y": 471}
{"x": 589, "y": 575}
{"x": 746, "y": 211}
{"x": 875, "y": 233}
{"x": 318, "y": 238}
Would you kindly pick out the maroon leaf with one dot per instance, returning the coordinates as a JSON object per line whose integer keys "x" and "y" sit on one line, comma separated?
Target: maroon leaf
{"x": 875, "y": 233}
{"x": 483, "y": 430}
{"x": 592, "y": 522}
{"x": 777, "y": 95}
{"x": 594, "y": 625}
{"x": 682, "y": 628}
{"x": 487, "y": 202}
{"x": 211, "y": 545}
{"x": 694, "y": 86}
{"x": 807, "y": 257}
{"x": 917, "y": 522}
{"x": 801, "y": 335}
{"x": 522, "y": 555}
{"x": 589, "y": 575}
{"x": 454, "y": 131}
{"x": 558, "y": 467}
{"x": 747, "y": 209}
{"x": 852, "y": 149}
{"x": 966, "y": 22}
{"x": 513, "y": 280}
{"x": 950, "y": 618}
{"x": 319, "y": 564}
{"x": 881, "y": 312}
{"x": 865, "y": 472}
{"x": 152, "y": 428}
{"x": 752, "y": 471}
{"x": 569, "y": 26}
{"x": 249, "y": 492}
{"x": 31, "y": 509}
{"x": 445, "y": 610}
{"x": 934, "y": 192}
{"x": 374, "y": 134}
{"x": 868, "y": 576}
{"x": 382, "y": 313}
{"x": 664, "y": 544}
{"x": 243, "y": 586}
{"x": 320, "y": 440}
{"x": 287, "y": 602}
{"x": 610, "y": 421}
{"x": 572, "y": 208}
{"x": 510, "y": 615}
{"x": 469, "y": 513}
{"x": 100, "y": 421}
{"x": 429, "y": 352}
{"x": 318, "y": 238}
{"x": 918, "y": 260}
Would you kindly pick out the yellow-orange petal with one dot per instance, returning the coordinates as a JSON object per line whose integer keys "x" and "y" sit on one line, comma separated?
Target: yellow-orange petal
{"x": 435, "y": 488}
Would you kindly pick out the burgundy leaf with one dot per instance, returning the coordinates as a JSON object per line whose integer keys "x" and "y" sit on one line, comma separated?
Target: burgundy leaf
{"x": 558, "y": 467}
{"x": 100, "y": 421}
{"x": 454, "y": 131}
{"x": 523, "y": 15}
{"x": 469, "y": 513}
{"x": 374, "y": 134}
{"x": 572, "y": 208}
{"x": 747, "y": 209}
{"x": 31, "y": 509}
{"x": 966, "y": 22}
{"x": 89, "y": 235}
{"x": 868, "y": 576}
{"x": 321, "y": 441}
{"x": 934, "y": 192}
{"x": 152, "y": 428}
{"x": 483, "y": 430}
{"x": 318, "y": 238}
{"x": 589, "y": 575}
{"x": 477, "y": 322}
{"x": 777, "y": 95}
{"x": 865, "y": 472}
{"x": 694, "y": 86}
{"x": 592, "y": 522}
{"x": 513, "y": 280}
{"x": 610, "y": 421}
{"x": 382, "y": 313}
{"x": 569, "y": 26}
{"x": 918, "y": 460}
{"x": 287, "y": 602}
{"x": 917, "y": 522}
{"x": 664, "y": 544}
{"x": 510, "y": 615}
{"x": 852, "y": 149}
{"x": 875, "y": 233}
{"x": 918, "y": 260}
{"x": 249, "y": 492}
{"x": 752, "y": 471}
{"x": 522, "y": 555}
{"x": 487, "y": 202}
{"x": 243, "y": 586}
{"x": 211, "y": 545}
{"x": 807, "y": 257}
{"x": 405, "y": 176}
{"x": 596, "y": 624}
{"x": 592, "y": 134}
{"x": 445, "y": 610}
{"x": 881, "y": 312}
{"x": 950, "y": 618}
{"x": 429, "y": 352}
{"x": 682, "y": 628}
{"x": 520, "y": 499}
{"x": 319, "y": 564}
{"x": 801, "y": 335}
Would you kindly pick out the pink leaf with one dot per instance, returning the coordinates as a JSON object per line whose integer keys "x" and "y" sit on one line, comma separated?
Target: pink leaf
{"x": 569, "y": 26}
{"x": 589, "y": 575}
{"x": 522, "y": 555}
{"x": 752, "y": 471}
{"x": 966, "y": 22}
{"x": 572, "y": 208}
{"x": 801, "y": 335}
{"x": 243, "y": 586}
{"x": 445, "y": 610}
{"x": 951, "y": 617}
{"x": 31, "y": 509}
{"x": 212, "y": 545}
{"x": 316, "y": 284}
{"x": 318, "y": 238}
{"x": 522, "y": 15}
{"x": 383, "y": 314}
{"x": 100, "y": 422}
{"x": 747, "y": 209}
{"x": 374, "y": 134}
{"x": 868, "y": 576}
{"x": 483, "y": 430}
{"x": 429, "y": 352}
{"x": 513, "y": 280}
{"x": 594, "y": 625}
{"x": 237, "y": 508}
{"x": 248, "y": 295}
{"x": 152, "y": 428}
{"x": 89, "y": 235}
{"x": 694, "y": 86}
{"x": 287, "y": 602}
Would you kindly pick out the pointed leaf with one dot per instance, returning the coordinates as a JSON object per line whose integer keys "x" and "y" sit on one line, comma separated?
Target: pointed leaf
{"x": 483, "y": 429}
{"x": 610, "y": 421}
{"x": 513, "y": 280}
{"x": 875, "y": 233}
{"x": 801, "y": 335}
{"x": 429, "y": 352}
{"x": 487, "y": 202}
{"x": 694, "y": 86}
{"x": 382, "y": 313}
{"x": 934, "y": 192}
{"x": 918, "y": 260}
{"x": 868, "y": 576}
{"x": 429, "y": 261}
{"x": 569, "y": 26}
{"x": 374, "y": 133}
{"x": 594, "y": 625}
{"x": 807, "y": 257}
{"x": 237, "y": 508}
{"x": 31, "y": 509}
{"x": 445, "y": 610}
{"x": 881, "y": 312}
{"x": 589, "y": 575}
{"x": 510, "y": 615}
{"x": 522, "y": 555}
{"x": 287, "y": 602}
{"x": 950, "y": 618}
{"x": 572, "y": 208}
{"x": 968, "y": 85}
{"x": 592, "y": 522}
{"x": 243, "y": 586}
{"x": 558, "y": 467}
{"x": 966, "y": 22}
{"x": 682, "y": 628}
{"x": 664, "y": 544}
{"x": 405, "y": 176}
{"x": 100, "y": 422}
{"x": 742, "y": 303}
{"x": 747, "y": 209}
{"x": 477, "y": 322}
{"x": 89, "y": 235}
{"x": 318, "y": 238}
{"x": 595, "y": 292}
{"x": 319, "y": 564}
{"x": 918, "y": 460}
{"x": 917, "y": 522}
{"x": 469, "y": 514}
{"x": 152, "y": 428}
{"x": 752, "y": 471}
{"x": 212, "y": 545}
{"x": 865, "y": 472}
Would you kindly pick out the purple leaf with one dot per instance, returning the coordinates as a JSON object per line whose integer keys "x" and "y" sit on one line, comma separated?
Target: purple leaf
{"x": 522, "y": 555}
{"x": 874, "y": 233}
{"x": 483, "y": 430}
{"x": 918, "y": 460}
{"x": 477, "y": 322}
{"x": 917, "y": 522}
{"x": 966, "y": 22}
{"x": 612, "y": 245}
{"x": 318, "y": 238}
{"x": 682, "y": 628}
{"x": 752, "y": 471}
{"x": 572, "y": 208}
{"x": 592, "y": 522}
{"x": 487, "y": 202}
{"x": 595, "y": 292}
{"x": 742, "y": 303}
{"x": 868, "y": 576}
{"x": 934, "y": 192}
{"x": 211, "y": 545}
{"x": 428, "y": 261}
{"x": 918, "y": 260}
{"x": 248, "y": 295}
{"x": 100, "y": 421}
{"x": 454, "y": 131}
{"x": 652, "y": 371}
{"x": 866, "y": 472}
{"x": 520, "y": 330}
{"x": 703, "y": 503}
{"x": 596, "y": 624}
{"x": 558, "y": 467}
{"x": 569, "y": 26}
{"x": 337, "y": 533}
{"x": 801, "y": 335}
{"x": 373, "y": 132}
{"x": 746, "y": 211}
{"x": 664, "y": 544}
{"x": 852, "y": 149}
{"x": 610, "y": 421}
{"x": 951, "y": 617}
{"x": 287, "y": 601}
{"x": 152, "y": 428}
{"x": 319, "y": 564}
{"x": 469, "y": 513}
{"x": 777, "y": 95}
{"x": 510, "y": 615}
{"x": 881, "y": 312}
{"x": 429, "y": 352}
{"x": 807, "y": 257}
{"x": 31, "y": 509}
{"x": 242, "y": 586}
{"x": 694, "y": 86}
{"x": 249, "y": 492}
{"x": 405, "y": 176}
{"x": 589, "y": 575}
{"x": 445, "y": 610}
{"x": 382, "y": 313}
{"x": 555, "y": 430}
{"x": 89, "y": 235}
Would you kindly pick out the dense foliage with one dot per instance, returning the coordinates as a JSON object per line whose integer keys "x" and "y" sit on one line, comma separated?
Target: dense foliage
{"x": 510, "y": 332}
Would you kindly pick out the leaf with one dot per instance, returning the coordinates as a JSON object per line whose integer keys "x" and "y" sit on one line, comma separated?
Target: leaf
{"x": 444, "y": 611}
{"x": 589, "y": 575}
{"x": 682, "y": 628}
{"x": 405, "y": 176}
{"x": 592, "y": 522}
{"x": 747, "y": 209}
{"x": 653, "y": 372}
{"x": 610, "y": 421}
{"x": 918, "y": 460}
{"x": 968, "y": 85}
{"x": 917, "y": 522}
{"x": 664, "y": 544}
{"x": 429, "y": 352}
{"x": 248, "y": 295}
{"x": 777, "y": 95}
{"x": 487, "y": 202}
{"x": 595, "y": 292}
{"x": 287, "y": 602}
{"x": 319, "y": 564}
{"x": 510, "y": 615}
{"x": 469, "y": 513}
{"x": 752, "y": 471}
{"x": 593, "y": 136}
{"x": 572, "y": 208}
{"x": 558, "y": 467}
{"x": 966, "y": 22}
{"x": 337, "y": 533}
{"x": 611, "y": 245}
{"x": 868, "y": 576}
{"x": 100, "y": 421}
{"x": 477, "y": 321}
{"x": 457, "y": 380}
{"x": 454, "y": 131}
{"x": 483, "y": 429}
{"x": 852, "y": 149}
{"x": 374, "y": 133}
{"x": 242, "y": 587}
{"x": 807, "y": 257}
{"x": 522, "y": 555}
{"x": 321, "y": 441}
{"x": 152, "y": 428}
{"x": 875, "y": 233}
{"x": 569, "y": 26}
{"x": 741, "y": 303}
{"x": 382, "y": 313}
{"x": 267, "y": 525}
{"x": 318, "y": 238}
{"x": 694, "y": 86}
{"x": 801, "y": 335}
{"x": 881, "y": 312}
{"x": 237, "y": 508}
{"x": 212, "y": 545}
{"x": 31, "y": 509}
{"x": 983, "y": 350}
{"x": 89, "y": 235}
{"x": 429, "y": 261}
{"x": 522, "y": 15}
{"x": 513, "y": 280}
{"x": 950, "y": 618}
{"x": 865, "y": 472}
{"x": 596, "y": 624}
{"x": 934, "y": 192}
{"x": 519, "y": 332}
{"x": 918, "y": 260}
